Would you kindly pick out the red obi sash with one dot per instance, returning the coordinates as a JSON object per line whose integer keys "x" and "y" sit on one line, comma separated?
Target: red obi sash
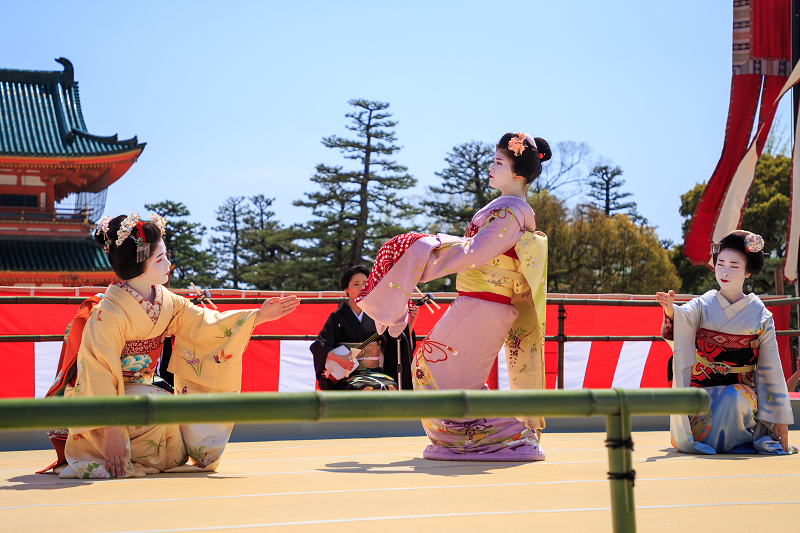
{"x": 488, "y": 296}
{"x": 723, "y": 359}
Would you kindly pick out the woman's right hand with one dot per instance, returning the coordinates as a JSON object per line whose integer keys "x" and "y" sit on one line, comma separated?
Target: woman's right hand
{"x": 667, "y": 300}
{"x": 114, "y": 451}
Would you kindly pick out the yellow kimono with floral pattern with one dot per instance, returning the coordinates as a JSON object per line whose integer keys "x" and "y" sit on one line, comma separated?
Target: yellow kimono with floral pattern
{"x": 207, "y": 357}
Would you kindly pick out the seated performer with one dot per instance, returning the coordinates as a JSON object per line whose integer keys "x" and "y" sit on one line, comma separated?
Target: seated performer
{"x": 501, "y": 264}
{"x": 725, "y": 342}
{"x": 114, "y": 359}
{"x": 375, "y": 366}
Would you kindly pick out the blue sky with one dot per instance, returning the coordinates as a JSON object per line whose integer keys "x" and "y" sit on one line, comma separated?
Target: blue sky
{"x": 234, "y": 98}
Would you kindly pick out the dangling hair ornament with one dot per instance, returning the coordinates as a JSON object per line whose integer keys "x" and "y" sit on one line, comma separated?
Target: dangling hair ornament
{"x": 102, "y": 226}
{"x": 753, "y": 243}
{"x": 142, "y": 246}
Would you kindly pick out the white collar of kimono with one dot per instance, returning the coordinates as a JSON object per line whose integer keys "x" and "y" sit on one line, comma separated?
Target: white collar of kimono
{"x": 731, "y": 310}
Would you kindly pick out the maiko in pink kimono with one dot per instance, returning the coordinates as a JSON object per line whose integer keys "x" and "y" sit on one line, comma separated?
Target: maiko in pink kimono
{"x": 501, "y": 264}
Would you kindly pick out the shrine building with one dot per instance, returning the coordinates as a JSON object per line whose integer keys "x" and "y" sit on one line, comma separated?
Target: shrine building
{"x": 53, "y": 181}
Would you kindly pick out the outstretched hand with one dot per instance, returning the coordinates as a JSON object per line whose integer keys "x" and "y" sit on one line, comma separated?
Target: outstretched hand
{"x": 276, "y": 308}
{"x": 667, "y": 299}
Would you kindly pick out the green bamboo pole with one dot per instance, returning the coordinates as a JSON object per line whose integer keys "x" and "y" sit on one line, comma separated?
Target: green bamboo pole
{"x": 341, "y": 405}
{"x": 620, "y": 463}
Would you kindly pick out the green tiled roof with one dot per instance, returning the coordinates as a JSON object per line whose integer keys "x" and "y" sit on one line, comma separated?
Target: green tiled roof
{"x": 40, "y": 115}
{"x": 34, "y": 255}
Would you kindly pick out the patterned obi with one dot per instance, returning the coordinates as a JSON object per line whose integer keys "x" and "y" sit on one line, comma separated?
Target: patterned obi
{"x": 496, "y": 281}
{"x": 723, "y": 359}
{"x": 370, "y": 356}
{"x": 139, "y": 360}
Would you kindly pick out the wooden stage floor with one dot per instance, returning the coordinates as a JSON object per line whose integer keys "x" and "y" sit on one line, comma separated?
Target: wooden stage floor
{"x": 383, "y": 484}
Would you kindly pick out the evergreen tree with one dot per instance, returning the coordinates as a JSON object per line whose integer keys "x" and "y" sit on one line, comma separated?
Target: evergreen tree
{"x": 182, "y": 239}
{"x": 603, "y": 184}
{"x": 464, "y": 188}
{"x": 269, "y": 248}
{"x": 227, "y": 248}
{"x": 358, "y": 209}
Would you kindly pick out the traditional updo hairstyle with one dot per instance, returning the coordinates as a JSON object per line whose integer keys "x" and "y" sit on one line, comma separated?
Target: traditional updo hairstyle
{"x": 743, "y": 241}
{"x": 350, "y": 272}
{"x": 526, "y": 162}
{"x": 123, "y": 257}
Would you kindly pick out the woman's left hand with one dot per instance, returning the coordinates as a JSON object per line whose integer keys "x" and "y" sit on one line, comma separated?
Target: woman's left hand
{"x": 276, "y": 308}
{"x": 413, "y": 312}
{"x": 782, "y": 432}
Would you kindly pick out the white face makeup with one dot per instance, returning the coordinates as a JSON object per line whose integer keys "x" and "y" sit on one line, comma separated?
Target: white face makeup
{"x": 357, "y": 283}
{"x": 730, "y": 271}
{"x": 156, "y": 267}
{"x": 500, "y": 173}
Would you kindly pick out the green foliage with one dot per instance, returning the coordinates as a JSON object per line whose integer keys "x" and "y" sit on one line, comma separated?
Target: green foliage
{"x": 591, "y": 253}
{"x": 766, "y": 213}
{"x": 356, "y": 210}
{"x": 182, "y": 239}
{"x": 603, "y": 184}
{"x": 227, "y": 248}
{"x": 270, "y": 254}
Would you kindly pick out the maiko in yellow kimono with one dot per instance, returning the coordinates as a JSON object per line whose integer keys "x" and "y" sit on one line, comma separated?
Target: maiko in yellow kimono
{"x": 113, "y": 360}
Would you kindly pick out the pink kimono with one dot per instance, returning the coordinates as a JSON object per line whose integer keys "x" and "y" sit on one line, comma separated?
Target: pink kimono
{"x": 501, "y": 264}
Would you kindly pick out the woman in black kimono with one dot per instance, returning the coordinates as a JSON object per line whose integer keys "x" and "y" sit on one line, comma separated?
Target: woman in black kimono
{"x": 349, "y": 326}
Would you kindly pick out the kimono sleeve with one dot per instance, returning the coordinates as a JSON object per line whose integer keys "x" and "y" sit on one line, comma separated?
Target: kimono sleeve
{"x": 773, "y": 396}
{"x": 326, "y": 341}
{"x": 99, "y": 371}
{"x": 503, "y": 229}
{"x": 209, "y": 345}
{"x": 686, "y": 323}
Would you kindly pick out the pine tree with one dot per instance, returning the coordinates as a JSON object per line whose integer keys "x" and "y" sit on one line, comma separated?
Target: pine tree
{"x": 227, "y": 249}
{"x": 357, "y": 210}
{"x": 603, "y": 184}
{"x": 182, "y": 239}
{"x": 464, "y": 188}
{"x": 268, "y": 247}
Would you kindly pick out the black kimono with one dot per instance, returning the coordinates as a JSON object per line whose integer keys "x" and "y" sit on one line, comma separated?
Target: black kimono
{"x": 343, "y": 326}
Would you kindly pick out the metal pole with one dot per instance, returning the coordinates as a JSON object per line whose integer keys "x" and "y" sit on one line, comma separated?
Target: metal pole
{"x": 621, "y": 473}
{"x": 399, "y": 365}
{"x": 562, "y": 316}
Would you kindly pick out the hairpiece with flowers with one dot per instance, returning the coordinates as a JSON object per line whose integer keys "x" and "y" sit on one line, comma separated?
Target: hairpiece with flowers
{"x": 753, "y": 243}
{"x": 102, "y": 226}
{"x": 517, "y": 144}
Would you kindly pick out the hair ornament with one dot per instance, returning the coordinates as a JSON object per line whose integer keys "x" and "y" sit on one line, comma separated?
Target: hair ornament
{"x": 715, "y": 248}
{"x": 102, "y": 225}
{"x": 753, "y": 243}
{"x": 159, "y": 221}
{"x": 125, "y": 228}
{"x": 517, "y": 144}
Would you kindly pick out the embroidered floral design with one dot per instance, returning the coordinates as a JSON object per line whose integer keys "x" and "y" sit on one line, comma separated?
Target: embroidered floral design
{"x": 437, "y": 351}
{"x": 222, "y": 357}
{"x": 194, "y": 362}
{"x": 514, "y": 341}
{"x": 153, "y": 310}
{"x": 154, "y": 446}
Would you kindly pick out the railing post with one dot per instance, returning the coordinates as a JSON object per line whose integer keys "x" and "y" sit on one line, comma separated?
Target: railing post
{"x": 562, "y": 316}
{"x": 621, "y": 473}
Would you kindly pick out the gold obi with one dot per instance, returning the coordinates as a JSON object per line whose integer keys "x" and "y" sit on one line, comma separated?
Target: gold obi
{"x": 371, "y": 356}
{"x": 499, "y": 276}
